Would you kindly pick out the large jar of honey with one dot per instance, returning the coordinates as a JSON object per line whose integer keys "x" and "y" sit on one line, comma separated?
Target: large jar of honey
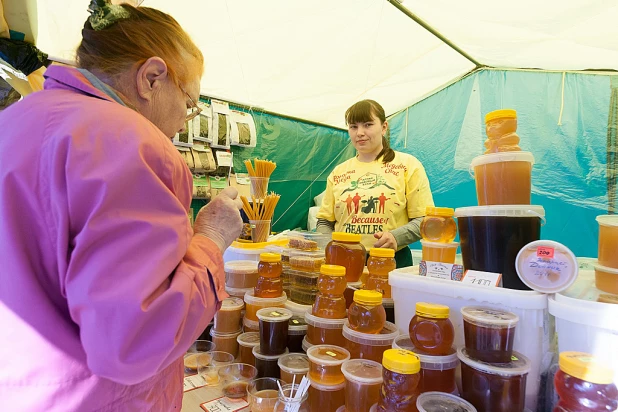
{"x": 501, "y": 127}
{"x": 400, "y": 379}
{"x": 366, "y": 314}
{"x": 438, "y": 225}
{"x": 347, "y": 250}
{"x": 330, "y": 302}
{"x": 269, "y": 283}
{"x": 431, "y": 330}
{"x": 583, "y": 383}
{"x": 380, "y": 263}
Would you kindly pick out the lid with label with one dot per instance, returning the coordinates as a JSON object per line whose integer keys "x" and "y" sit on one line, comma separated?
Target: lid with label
{"x": 297, "y": 325}
{"x": 294, "y": 363}
{"x": 432, "y": 310}
{"x": 440, "y": 401}
{"x": 585, "y": 367}
{"x": 519, "y": 364}
{"x": 488, "y": 317}
{"x": 401, "y": 361}
{"x": 546, "y": 266}
{"x": 274, "y": 314}
{"x": 381, "y": 252}
{"x": 232, "y": 304}
{"x": 365, "y": 371}
{"x": 328, "y": 355}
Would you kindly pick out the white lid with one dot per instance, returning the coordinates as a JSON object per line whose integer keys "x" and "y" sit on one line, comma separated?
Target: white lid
{"x": 488, "y": 317}
{"x": 294, "y": 363}
{"x": 386, "y": 336}
{"x": 313, "y": 254}
{"x": 274, "y": 314}
{"x": 440, "y": 245}
{"x": 232, "y": 303}
{"x": 608, "y": 220}
{"x": 297, "y": 325}
{"x": 355, "y": 285}
{"x": 239, "y": 292}
{"x": 362, "y": 370}
{"x": 429, "y": 362}
{"x": 502, "y": 157}
{"x": 388, "y": 302}
{"x": 324, "y": 323}
{"x": 328, "y": 355}
{"x": 605, "y": 269}
{"x": 232, "y": 335}
{"x": 241, "y": 266}
{"x": 250, "y": 299}
{"x": 251, "y": 324}
{"x": 545, "y": 274}
{"x": 248, "y": 339}
{"x": 306, "y": 345}
{"x": 501, "y": 210}
{"x": 519, "y": 365}
{"x": 258, "y": 354}
{"x": 442, "y": 402}
{"x": 327, "y": 388}
{"x": 297, "y": 308}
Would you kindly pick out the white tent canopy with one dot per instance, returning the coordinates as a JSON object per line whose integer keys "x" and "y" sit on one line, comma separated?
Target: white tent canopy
{"x": 312, "y": 60}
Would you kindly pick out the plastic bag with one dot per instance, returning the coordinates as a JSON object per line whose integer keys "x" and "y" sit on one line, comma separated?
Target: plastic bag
{"x": 23, "y": 56}
{"x": 8, "y": 95}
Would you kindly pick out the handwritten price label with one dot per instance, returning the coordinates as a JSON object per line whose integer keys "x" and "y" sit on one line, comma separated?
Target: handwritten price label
{"x": 224, "y": 404}
{"x": 545, "y": 252}
{"x": 484, "y": 279}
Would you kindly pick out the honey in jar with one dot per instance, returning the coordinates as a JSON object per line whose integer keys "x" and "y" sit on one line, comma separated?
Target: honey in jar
{"x": 503, "y": 178}
{"x": 380, "y": 263}
{"x": 297, "y": 330}
{"x": 325, "y": 363}
{"x": 608, "y": 239}
{"x": 400, "y": 379}
{"x": 324, "y": 331}
{"x": 330, "y": 302}
{"x": 273, "y": 326}
{"x": 269, "y": 283}
{"x": 584, "y": 383}
{"x": 438, "y": 225}
{"x": 501, "y": 127}
{"x": 439, "y": 252}
{"x": 266, "y": 365}
{"x": 347, "y": 250}
{"x": 431, "y": 331}
{"x": 366, "y": 314}
{"x": 489, "y": 333}
{"x": 323, "y": 398}
{"x": 228, "y": 319}
{"x": 370, "y": 345}
{"x": 246, "y": 342}
{"x": 293, "y": 367}
{"x": 363, "y": 379}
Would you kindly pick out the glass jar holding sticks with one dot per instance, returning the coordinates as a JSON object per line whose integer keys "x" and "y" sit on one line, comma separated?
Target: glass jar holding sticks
{"x": 260, "y": 213}
{"x": 259, "y": 176}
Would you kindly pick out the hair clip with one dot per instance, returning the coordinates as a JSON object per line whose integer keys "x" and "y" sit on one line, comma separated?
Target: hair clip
{"x": 103, "y": 14}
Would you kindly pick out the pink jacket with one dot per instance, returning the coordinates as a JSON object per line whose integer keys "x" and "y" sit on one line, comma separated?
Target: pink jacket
{"x": 103, "y": 286}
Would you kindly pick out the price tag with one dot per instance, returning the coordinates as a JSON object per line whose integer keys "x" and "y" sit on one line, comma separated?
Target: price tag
{"x": 484, "y": 279}
{"x": 224, "y": 159}
{"x": 545, "y": 252}
{"x": 224, "y": 404}
{"x": 193, "y": 382}
{"x": 440, "y": 270}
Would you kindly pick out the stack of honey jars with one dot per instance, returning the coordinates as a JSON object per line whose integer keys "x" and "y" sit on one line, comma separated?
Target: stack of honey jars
{"x": 438, "y": 230}
{"x": 327, "y": 390}
{"x": 240, "y": 277}
{"x": 306, "y": 256}
{"x": 606, "y": 269}
{"x": 273, "y": 330}
{"x": 228, "y": 325}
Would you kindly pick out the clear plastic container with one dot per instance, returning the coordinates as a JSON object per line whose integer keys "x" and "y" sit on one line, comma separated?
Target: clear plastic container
{"x": 494, "y": 388}
{"x": 439, "y": 252}
{"x": 322, "y": 331}
{"x": 238, "y": 292}
{"x": 363, "y": 379}
{"x": 608, "y": 239}
{"x": 438, "y": 225}
{"x": 325, "y": 363}
{"x": 369, "y": 346}
{"x": 431, "y": 330}
{"x": 249, "y": 325}
{"x": 304, "y": 280}
{"x": 500, "y": 126}
{"x": 308, "y": 240}
{"x": 241, "y": 274}
{"x": 235, "y": 378}
{"x": 330, "y": 302}
{"x": 400, "y": 380}
{"x": 263, "y": 394}
{"x": 324, "y": 398}
{"x": 547, "y": 274}
{"x": 489, "y": 333}
{"x": 293, "y": 367}
{"x": 269, "y": 283}
{"x": 253, "y": 304}
{"x": 442, "y": 402}
{"x": 226, "y": 342}
{"x": 302, "y": 296}
{"x": 228, "y": 319}
{"x": 297, "y": 308}
{"x": 246, "y": 342}
{"x": 606, "y": 279}
{"x": 306, "y": 344}
{"x": 297, "y": 330}
{"x": 380, "y": 263}
{"x": 346, "y": 250}
{"x": 274, "y": 323}
{"x": 288, "y": 401}
{"x": 306, "y": 261}
{"x": 266, "y": 365}
{"x": 366, "y": 314}
{"x": 503, "y": 178}
{"x": 260, "y": 230}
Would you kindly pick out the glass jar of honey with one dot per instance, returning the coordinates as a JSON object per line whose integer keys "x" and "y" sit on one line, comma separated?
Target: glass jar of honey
{"x": 347, "y": 250}
{"x": 438, "y": 225}
{"x": 430, "y": 329}
{"x": 489, "y": 333}
{"x": 269, "y": 284}
{"x": 400, "y": 379}
{"x": 583, "y": 383}
{"x": 330, "y": 302}
{"x": 380, "y": 263}
{"x": 366, "y": 314}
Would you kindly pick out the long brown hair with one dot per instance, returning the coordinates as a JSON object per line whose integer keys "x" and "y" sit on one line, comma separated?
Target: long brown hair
{"x": 364, "y": 111}
{"x": 146, "y": 33}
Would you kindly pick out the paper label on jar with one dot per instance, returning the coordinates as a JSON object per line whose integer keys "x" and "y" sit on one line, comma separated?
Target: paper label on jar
{"x": 224, "y": 404}
{"x": 440, "y": 270}
{"x": 546, "y": 271}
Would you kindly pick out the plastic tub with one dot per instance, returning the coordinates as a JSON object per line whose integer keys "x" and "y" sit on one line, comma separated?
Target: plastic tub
{"x": 241, "y": 274}
{"x": 253, "y": 304}
{"x": 322, "y": 331}
{"x": 297, "y": 308}
{"x": 489, "y": 333}
{"x": 244, "y": 251}
{"x": 503, "y": 178}
{"x": 249, "y": 325}
{"x": 325, "y": 363}
{"x": 238, "y": 292}
{"x": 226, "y": 342}
{"x": 547, "y": 266}
{"x": 246, "y": 342}
{"x": 492, "y": 236}
{"x": 532, "y": 332}
{"x": 306, "y": 261}
{"x": 312, "y": 240}
{"x": 306, "y": 344}
{"x": 274, "y": 324}
{"x": 228, "y": 319}
{"x": 293, "y": 367}
{"x": 363, "y": 379}
{"x": 439, "y": 252}
{"x": 323, "y": 398}
{"x": 608, "y": 239}
{"x": 267, "y": 366}
{"x": 368, "y": 345}
{"x": 297, "y": 330}
{"x": 606, "y": 279}
{"x": 442, "y": 402}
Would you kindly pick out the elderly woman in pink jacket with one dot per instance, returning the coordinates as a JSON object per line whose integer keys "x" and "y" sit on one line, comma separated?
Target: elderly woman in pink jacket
{"x": 104, "y": 284}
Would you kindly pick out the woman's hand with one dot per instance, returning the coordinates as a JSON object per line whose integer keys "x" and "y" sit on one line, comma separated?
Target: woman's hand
{"x": 385, "y": 240}
{"x": 220, "y": 219}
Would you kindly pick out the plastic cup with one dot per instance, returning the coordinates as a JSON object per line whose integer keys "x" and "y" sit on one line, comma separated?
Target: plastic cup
{"x": 608, "y": 238}
{"x": 263, "y": 394}
{"x": 293, "y": 367}
{"x": 208, "y": 366}
{"x": 259, "y": 186}
{"x": 235, "y": 379}
{"x": 201, "y": 346}
{"x": 363, "y": 379}
{"x": 260, "y": 229}
{"x": 226, "y": 342}
{"x": 439, "y": 252}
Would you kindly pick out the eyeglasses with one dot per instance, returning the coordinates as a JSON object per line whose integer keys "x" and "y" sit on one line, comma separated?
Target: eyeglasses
{"x": 195, "y": 109}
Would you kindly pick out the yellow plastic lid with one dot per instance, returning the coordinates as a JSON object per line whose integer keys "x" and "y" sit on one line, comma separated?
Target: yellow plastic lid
{"x": 501, "y": 114}
{"x": 333, "y": 270}
{"x": 432, "y": 310}
{"x": 401, "y": 361}
{"x": 382, "y": 252}
{"x": 585, "y": 367}
{"x": 346, "y": 237}
{"x": 270, "y": 257}
{"x": 368, "y": 297}
{"x": 440, "y": 211}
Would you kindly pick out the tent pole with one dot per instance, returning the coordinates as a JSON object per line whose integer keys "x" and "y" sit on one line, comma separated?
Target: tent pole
{"x": 423, "y": 24}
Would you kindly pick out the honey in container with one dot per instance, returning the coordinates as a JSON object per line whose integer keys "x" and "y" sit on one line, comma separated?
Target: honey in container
{"x": 269, "y": 284}
{"x": 430, "y": 329}
{"x": 380, "y": 263}
{"x": 324, "y": 398}
{"x": 400, "y": 381}
{"x": 330, "y": 302}
{"x": 366, "y": 314}
{"x": 324, "y": 331}
{"x": 363, "y": 379}
{"x": 438, "y": 225}
{"x": 347, "y": 250}
{"x": 489, "y": 333}
{"x": 325, "y": 364}
{"x": 501, "y": 127}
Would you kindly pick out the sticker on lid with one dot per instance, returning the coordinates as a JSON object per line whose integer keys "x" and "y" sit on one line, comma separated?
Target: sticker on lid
{"x": 333, "y": 354}
{"x": 546, "y": 266}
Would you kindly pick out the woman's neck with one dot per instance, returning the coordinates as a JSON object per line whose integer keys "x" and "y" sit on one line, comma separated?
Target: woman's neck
{"x": 367, "y": 157}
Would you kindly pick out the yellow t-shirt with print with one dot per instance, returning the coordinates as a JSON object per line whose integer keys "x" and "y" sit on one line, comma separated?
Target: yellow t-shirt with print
{"x": 366, "y": 198}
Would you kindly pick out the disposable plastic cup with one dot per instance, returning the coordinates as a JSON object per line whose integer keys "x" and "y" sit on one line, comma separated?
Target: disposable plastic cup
{"x": 259, "y": 186}
{"x": 260, "y": 229}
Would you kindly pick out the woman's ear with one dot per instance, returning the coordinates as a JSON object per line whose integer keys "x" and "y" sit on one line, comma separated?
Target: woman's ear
{"x": 149, "y": 77}
{"x": 384, "y": 127}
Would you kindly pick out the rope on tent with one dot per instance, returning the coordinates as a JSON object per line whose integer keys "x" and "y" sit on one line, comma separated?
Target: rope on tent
{"x": 562, "y": 103}
{"x": 612, "y": 147}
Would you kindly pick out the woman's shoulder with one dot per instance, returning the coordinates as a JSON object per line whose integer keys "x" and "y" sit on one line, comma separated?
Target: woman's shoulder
{"x": 407, "y": 159}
